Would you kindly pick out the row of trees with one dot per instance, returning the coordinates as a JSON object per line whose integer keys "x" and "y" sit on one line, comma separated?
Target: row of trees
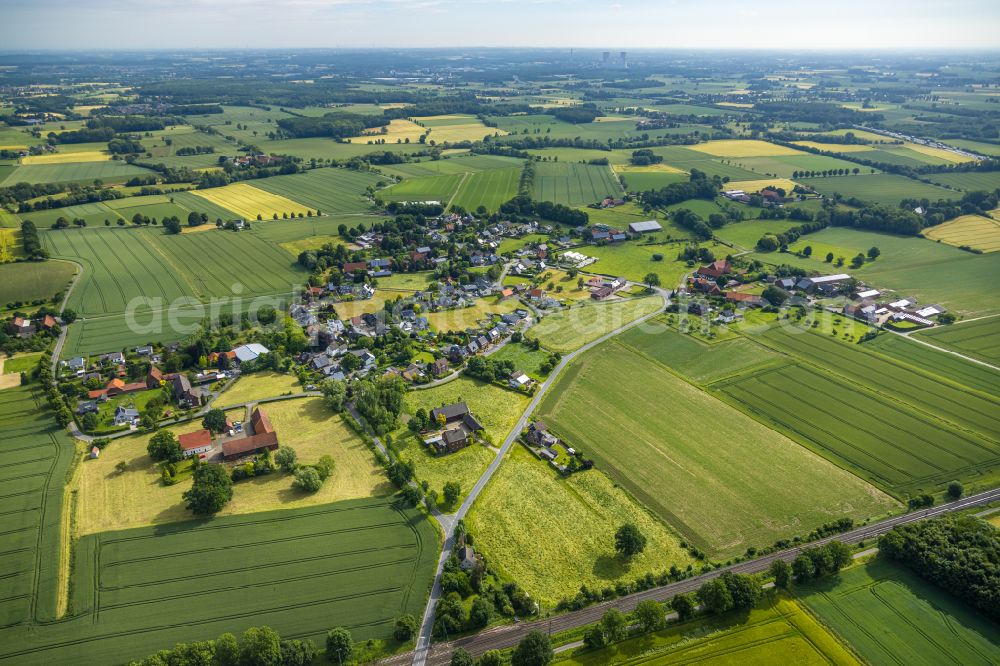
{"x": 30, "y": 242}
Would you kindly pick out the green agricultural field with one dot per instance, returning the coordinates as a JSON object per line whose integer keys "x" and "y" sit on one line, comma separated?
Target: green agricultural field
{"x": 949, "y": 366}
{"x": 890, "y": 616}
{"x": 914, "y": 386}
{"x": 697, "y": 361}
{"x": 487, "y": 188}
{"x": 574, "y": 184}
{"x": 686, "y": 159}
{"x": 634, "y": 261}
{"x": 107, "y": 171}
{"x": 890, "y": 443}
{"x": 979, "y": 339}
{"x": 125, "y": 264}
{"x": 989, "y": 149}
{"x": 777, "y": 631}
{"x": 574, "y": 327}
{"x": 21, "y": 363}
{"x": 969, "y": 180}
{"x": 357, "y": 563}
{"x": 322, "y": 148}
{"x": 426, "y": 188}
{"x": 746, "y": 234}
{"x": 193, "y": 202}
{"x": 641, "y": 181}
{"x": 30, "y": 281}
{"x": 524, "y": 358}
{"x": 721, "y": 479}
{"x": 514, "y": 515}
{"x": 326, "y": 190}
{"x": 35, "y": 457}
{"x": 882, "y": 188}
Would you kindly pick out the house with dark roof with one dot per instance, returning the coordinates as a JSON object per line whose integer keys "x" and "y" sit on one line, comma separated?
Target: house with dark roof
{"x": 184, "y": 394}
{"x": 459, "y": 426}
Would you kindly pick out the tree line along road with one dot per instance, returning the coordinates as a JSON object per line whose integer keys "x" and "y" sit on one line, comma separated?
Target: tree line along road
{"x": 499, "y": 638}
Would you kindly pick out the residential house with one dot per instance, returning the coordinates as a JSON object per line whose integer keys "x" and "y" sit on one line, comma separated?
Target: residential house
{"x": 86, "y": 407}
{"x": 77, "y": 364}
{"x": 753, "y": 300}
{"x": 184, "y": 394}
{"x": 539, "y": 435}
{"x": 439, "y": 367}
{"x": 467, "y": 558}
{"x": 519, "y": 380}
{"x": 715, "y": 270}
{"x": 126, "y": 415}
{"x": 195, "y": 443}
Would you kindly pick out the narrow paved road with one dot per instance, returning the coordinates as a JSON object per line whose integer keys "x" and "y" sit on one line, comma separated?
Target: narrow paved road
{"x": 507, "y": 636}
{"x": 420, "y": 655}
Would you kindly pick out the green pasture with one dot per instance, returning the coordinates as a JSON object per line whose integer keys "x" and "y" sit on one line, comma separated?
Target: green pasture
{"x": 426, "y": 188}
{"x": 573, "y": 327}
{"x": 634, "y": 261}
{"x": 488, "y": 188}
{"x": 969, "y": 181}
{"x": 30, "y": 281}
{"x": 881, "y": 188}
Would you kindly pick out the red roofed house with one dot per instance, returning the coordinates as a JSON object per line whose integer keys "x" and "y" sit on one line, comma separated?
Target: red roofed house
{"x": 214, "y": 356}
{"x": 506, "y": 293}
{"x": 264, "y": 437}
{"x": 715, "y": 270}
{"x": 537, "y": 293}
{"x": 48, "y": 322}
{"x": 706, "y": 286}
{"x": 195, "y": 443}
{"x": 354, "y": 266}
{"x": 418, "y": 256}
{"x": 154, "y": 378}
{"x": 741, "y": 297}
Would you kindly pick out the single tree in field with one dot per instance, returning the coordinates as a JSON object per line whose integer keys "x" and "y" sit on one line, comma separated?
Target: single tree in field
{"x": 873, "y": 253}
{"x": 955, "y": 490}
{"x": 614, "y": 626}
{"x": 406, "y": 628}
{"x": 215, "y": 420}
{"x": 807, "y": 251}
{"x": 533, "y": 650}
{"x": 651, "y": 280}
{"x": 164, "y": 446}
{"x": 339, "y": 645}
{"x": 802, "y": 568}
{"x": 829, "y": 257}
{"x": 286, "y": 459}
{"x": 211, "y": 490}
{"x": 629, "y": 541}
{"x": 452, "y": 489}
{"x": 307, "y": 479}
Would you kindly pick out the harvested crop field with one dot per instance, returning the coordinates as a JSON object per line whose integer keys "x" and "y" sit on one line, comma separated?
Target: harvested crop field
{"x": 742, "y": 148}
{"x": 248, "y": 201}
{"x": 725, "y": 486}
{"x": 969, "y": 231}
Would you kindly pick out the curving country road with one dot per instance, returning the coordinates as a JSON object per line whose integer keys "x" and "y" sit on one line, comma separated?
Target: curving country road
{"x": 420, "y": 654}
{"x": 507, "y": 636}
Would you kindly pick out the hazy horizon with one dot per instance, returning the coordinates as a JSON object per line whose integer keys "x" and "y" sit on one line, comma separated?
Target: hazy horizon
{"x": 850, "y": 25}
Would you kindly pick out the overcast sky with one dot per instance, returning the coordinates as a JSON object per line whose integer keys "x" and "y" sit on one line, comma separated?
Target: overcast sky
{"x": 837, "y": 24}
